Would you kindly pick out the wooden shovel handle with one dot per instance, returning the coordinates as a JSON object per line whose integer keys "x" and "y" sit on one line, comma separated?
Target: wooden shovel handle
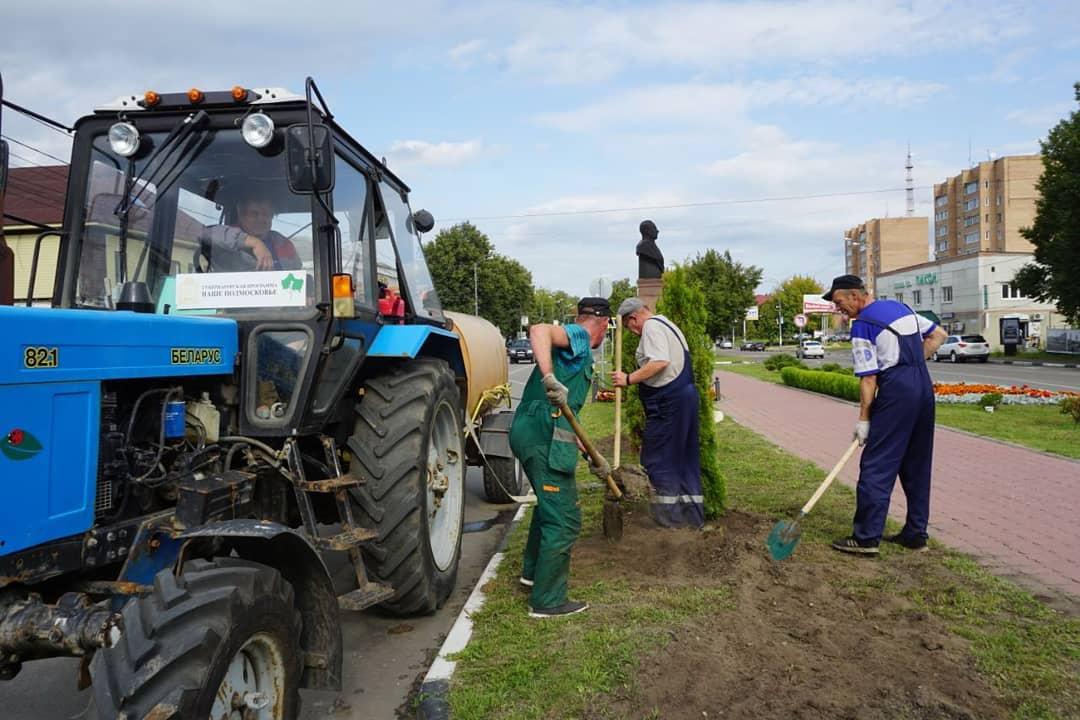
{"x": 593, "y": 453}
{"x": 618, "y": 392}
{"x": 830, "y": 477}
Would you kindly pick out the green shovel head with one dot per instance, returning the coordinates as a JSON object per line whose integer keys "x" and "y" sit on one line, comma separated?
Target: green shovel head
{"x": 783, "y": 539}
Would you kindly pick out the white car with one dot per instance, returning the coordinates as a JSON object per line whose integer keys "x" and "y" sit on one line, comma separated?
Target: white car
{"x": 725, "y": 344}
{"x": 959, "y": 348}
{"x": 810, "y": 349}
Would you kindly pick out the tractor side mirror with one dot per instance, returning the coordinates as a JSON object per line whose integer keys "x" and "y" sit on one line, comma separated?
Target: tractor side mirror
{"x": 300, "y": 152}
{"x": 423, "y": 221}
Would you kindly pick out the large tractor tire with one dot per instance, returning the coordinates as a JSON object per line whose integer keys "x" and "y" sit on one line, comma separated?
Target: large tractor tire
{"x": 220, "y": 641}
{"x": 408, "y": 446}
{"x": 503, "y": 477}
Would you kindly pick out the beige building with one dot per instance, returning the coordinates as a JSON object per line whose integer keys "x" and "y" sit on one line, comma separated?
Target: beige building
{"x": 983, "y": 208}
{"x": 34, "y": 203}
{"x": 884, "y": 244}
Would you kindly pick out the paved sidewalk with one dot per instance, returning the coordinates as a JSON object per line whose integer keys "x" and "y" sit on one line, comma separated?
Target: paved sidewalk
{"x": 1017, "y": 510}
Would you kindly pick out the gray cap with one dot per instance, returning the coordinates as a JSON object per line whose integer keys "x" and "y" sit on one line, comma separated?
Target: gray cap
{"x": 630, "y": 306}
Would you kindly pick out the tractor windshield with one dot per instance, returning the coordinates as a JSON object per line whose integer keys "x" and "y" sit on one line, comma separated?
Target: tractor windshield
{"x": 215, "y": 230}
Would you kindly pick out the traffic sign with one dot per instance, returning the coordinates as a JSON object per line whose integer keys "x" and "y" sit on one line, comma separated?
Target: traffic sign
{"x": 800, "y": 320}
{"x": 600, "y": 287}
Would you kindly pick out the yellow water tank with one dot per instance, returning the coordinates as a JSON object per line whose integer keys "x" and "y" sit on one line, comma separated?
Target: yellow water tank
{"x": 484, "y": 352}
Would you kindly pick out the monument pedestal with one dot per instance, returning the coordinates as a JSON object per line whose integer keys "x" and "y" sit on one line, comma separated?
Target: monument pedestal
{"x": 648, "y": 289}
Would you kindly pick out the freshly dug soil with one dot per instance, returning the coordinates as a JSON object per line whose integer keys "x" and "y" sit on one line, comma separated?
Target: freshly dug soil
{"x": 811, "y": 637}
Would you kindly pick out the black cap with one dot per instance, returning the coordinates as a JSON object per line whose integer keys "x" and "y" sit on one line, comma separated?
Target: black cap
{"x": 844, "y": 282}
{"x": 594, "y": 306}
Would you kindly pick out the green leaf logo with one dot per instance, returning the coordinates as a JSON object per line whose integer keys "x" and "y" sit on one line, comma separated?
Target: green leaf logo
{"x": 291, "y": 282}
{"x": 19, "y": 445}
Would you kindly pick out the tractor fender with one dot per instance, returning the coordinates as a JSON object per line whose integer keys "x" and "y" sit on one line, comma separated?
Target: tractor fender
{"x": 286, "y": 550}
{"x": 405, "y": 342}
{"x": 495, "y": 434}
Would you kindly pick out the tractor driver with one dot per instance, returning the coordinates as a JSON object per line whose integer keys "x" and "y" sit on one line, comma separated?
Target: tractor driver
{"x": 252, "y": 233}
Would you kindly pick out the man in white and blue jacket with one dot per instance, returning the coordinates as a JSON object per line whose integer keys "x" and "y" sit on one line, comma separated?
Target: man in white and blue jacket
{"x": 890, "y": 343}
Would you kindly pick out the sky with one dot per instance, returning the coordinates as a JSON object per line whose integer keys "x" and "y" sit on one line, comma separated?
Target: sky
{"x": 761, "y": 128}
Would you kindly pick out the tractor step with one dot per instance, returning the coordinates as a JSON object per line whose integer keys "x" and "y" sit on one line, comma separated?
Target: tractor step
{"x": 346, "y": 540}
{"x": 330, "y": 485}
{"x": 362, "y": 598}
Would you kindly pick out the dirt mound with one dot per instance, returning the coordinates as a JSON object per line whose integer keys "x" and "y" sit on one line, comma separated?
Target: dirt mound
{"x": 805, "y": 638}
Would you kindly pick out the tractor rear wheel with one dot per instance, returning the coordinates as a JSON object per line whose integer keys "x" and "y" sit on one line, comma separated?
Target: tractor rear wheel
{"x": 218, "y": 641}
{"x": 407, "y": 445}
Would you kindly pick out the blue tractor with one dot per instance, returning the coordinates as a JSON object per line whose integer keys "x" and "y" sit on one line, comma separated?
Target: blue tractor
{"x": 245, "y": 371}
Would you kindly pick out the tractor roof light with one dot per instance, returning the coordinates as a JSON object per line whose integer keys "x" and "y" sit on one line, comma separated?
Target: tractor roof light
{"x": 239, "y": 93}
{"x": 257, "y": 130}
{"x": 151, "y": 98}
{"x": 195, "y": 96}
{"x": 124, "y": 139}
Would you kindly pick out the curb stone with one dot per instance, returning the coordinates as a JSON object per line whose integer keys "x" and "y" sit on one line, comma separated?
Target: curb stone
{"x": 1034, "y": 363}
{"x": 435, "y": 689}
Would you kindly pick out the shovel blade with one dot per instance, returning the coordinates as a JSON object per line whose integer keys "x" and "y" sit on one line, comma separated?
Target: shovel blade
{"x": 783, "y": 539}
{"x": 612, "y": 520}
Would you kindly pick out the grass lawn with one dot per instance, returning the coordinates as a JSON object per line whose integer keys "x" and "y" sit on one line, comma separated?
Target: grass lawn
{"x": 1042, "y": 427}
{"x": 585, "y": 666}
{"x": 754, "y": 370}
{"x": 1038, "y": 356}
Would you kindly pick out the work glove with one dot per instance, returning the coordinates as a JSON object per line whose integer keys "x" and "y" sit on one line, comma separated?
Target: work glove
{"x": 556, "y": 392}
{"x": 862, "y": 431}
{"x": 601, "y": 471}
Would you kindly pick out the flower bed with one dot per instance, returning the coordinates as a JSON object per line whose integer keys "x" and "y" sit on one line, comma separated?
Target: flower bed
{"x": 972, "y": 393}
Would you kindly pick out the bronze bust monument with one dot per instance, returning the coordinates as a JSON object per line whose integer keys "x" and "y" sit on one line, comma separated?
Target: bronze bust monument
{"x": 650, "y": 259}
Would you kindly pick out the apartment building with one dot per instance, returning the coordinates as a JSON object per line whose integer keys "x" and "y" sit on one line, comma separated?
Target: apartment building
{"x": 984, "y": 207}
{"x": 881, "y": 245}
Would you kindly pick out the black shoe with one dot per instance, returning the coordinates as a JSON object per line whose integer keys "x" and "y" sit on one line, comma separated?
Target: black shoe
{"x": 570, "y": 607}
{"x": 856, "y": 547}
{"x": 917, "y": 544}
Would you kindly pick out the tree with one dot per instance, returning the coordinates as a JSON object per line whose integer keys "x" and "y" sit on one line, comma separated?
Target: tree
{"x": 1056, "y": 230}
{"x": 728, "y": 287}
{"x": 549, "y": 305}
{"x": 787, "y": 300}
{"x": 501, "y": 287}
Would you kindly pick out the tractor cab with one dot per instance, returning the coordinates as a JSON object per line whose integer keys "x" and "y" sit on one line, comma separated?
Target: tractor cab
{"x": 251, "y": 205}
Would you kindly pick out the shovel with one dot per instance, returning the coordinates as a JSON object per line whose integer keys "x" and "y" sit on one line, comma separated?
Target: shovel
{"x": 613, "y": 521}
{"x": 785, "y": 535}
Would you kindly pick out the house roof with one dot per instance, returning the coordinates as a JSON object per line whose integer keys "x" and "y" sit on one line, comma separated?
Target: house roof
{"x": 760, "y": 300}
{"x": 37, "y": 194}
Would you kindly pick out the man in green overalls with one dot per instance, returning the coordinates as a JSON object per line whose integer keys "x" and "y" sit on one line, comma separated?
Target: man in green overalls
{"x": 546, "y": 445}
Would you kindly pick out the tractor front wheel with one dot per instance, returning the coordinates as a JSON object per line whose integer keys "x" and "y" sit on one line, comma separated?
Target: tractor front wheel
{"x": 218, "y": 641}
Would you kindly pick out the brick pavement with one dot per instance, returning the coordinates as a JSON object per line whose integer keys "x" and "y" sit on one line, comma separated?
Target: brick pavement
{"x": 1014, "y": 509}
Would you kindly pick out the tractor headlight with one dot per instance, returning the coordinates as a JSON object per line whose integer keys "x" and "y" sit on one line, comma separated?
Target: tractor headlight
{"x": 124, "y": 139}
{"x": 258, "y": 130}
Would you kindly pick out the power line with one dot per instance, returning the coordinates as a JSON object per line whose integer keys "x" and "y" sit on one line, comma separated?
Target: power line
{"x": 681, "y": 206}
{"x": 31, "y": 147}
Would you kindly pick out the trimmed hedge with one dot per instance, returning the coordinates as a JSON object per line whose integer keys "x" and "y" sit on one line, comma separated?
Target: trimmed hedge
{"x": 826, "y": 383}
{"x": 782, "y": 360}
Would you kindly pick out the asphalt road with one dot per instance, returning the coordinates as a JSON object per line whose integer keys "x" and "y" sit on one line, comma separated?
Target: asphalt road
{"x": 385, "y": 657}
{"x": 1048, "y": 378}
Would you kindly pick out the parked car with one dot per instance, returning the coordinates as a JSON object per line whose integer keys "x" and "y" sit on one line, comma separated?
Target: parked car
{"x": 810, "y": 349}
{"x": 725, "y": 345}
{"x": 959, "y": 348}
{"x": 519, "y": 351}
{"x": 753, "y": 346}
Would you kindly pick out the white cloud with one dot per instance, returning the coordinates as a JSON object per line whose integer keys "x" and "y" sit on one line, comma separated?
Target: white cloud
{"x": 1043, "y": 117}
{"x": 466, "y": 54}
{"x": 725, "y": 104}
{"x": 442, "y": 154}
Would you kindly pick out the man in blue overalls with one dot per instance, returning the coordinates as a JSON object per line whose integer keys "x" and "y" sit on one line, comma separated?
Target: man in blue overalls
{"x": 669, "y": 448}
{"x": 890, "y": 343}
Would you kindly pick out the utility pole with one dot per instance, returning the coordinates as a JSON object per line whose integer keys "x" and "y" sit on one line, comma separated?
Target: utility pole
{"x": 910, "y": 185}
{"x": 780, "y": 319}
{"x": 475, "y": 290}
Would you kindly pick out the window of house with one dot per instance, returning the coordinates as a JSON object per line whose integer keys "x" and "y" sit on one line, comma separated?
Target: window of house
{"x": 971, "y": 187}
{"x": 971, "y": 238}
{"x": 916, "y": 296}
{"x": 1009, "y": 291}
{"x": 946, "y": 293}
{"x": 900, "y": 297}
{"x": 999, "y": 201}
{"x": 986, "y": 184}
{"x": 971, "y": 220}
{"x": 971, "y": 203}
{"x": 941, "y": 201}
{"x": 931, "y": 295}
{"x": 942, "y": 230}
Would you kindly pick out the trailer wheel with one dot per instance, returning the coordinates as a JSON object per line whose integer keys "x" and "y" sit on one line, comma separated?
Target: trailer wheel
{"x": 219, "y": 641}
{"x": 408, "y": 446}
{"x": 504, "y": 477}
